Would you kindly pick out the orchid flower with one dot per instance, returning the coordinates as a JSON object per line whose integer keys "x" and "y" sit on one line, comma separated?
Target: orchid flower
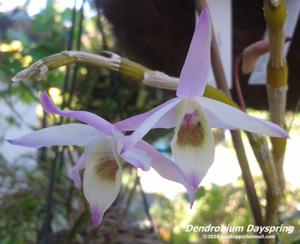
{"x": 101, "y": 158}
{"x": 193, "y": 115}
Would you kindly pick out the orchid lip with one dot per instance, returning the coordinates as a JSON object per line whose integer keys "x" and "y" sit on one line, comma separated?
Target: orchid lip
{"x": 189, "y": 118}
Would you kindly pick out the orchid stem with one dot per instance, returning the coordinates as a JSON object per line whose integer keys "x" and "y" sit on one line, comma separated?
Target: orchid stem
{"x": 219, "y": 74}
{"x": 47, "y": 228}
{"x": 69, "y": 47}
{"x": 277, "y": 82}
{"x": 78, "y": 46}
{"x": 146, "y": 204}
{"x": 115, "y": 63}
{"x": 264, "y": 158}
{"x": 131, "y": 193}
{"x": 277, "y": 72}
{"x": 237, "y": 84}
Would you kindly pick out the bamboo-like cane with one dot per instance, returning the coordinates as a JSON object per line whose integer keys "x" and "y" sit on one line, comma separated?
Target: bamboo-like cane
{"x": 277, "y": 82}
{"x": 115, "y": 63}
{"x": 264, "y": 158}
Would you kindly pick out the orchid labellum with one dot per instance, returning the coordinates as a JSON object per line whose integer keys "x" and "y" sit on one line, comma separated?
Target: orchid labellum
{"x": 101, "y": 159}
{"x": 193, "y": 115}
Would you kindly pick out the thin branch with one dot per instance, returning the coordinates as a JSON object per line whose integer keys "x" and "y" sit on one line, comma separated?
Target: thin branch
{"x": 10, "y": 104}
{"x": 47, "y": 229}
{"x": 132, "y": 191}
{"x": 237, "y": 84}
{"x": 101, "y": 29}
{"x": 69, "y": 47}
{"x": 78, "y": 46}
{"x": 264, "y": 158}
{"x": 146, "y": 204}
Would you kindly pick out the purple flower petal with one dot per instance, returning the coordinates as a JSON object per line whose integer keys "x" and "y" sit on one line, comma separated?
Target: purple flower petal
{"x": 214, "y": 122}
{"x": 195, "y": 180}
{"x": 166, "y": 168}
{"x": 236, "y": 119}
{"x": 74, "y": 172}
{"x": 194, "y": 73}
{"x": 149, "y": 123}
{"x": 68, "y": 134}
{"x": 132, "y": 123}
{"x": 86, "y": 117}
{"x": 97, "y": 216}
{"x": 137, "y": 158}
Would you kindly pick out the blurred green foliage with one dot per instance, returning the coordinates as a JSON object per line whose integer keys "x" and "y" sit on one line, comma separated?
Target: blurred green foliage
{"x": 219, "y": 205}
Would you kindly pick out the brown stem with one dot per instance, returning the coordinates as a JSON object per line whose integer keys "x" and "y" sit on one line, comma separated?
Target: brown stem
{"x": 262, "y": 153}
{"x": 264, "y": 158}
{"x": 237, "y": 84}
{"x": 219, "y": 74}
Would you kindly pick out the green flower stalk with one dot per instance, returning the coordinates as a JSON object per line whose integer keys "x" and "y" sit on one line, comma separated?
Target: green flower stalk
{"x": 277, "y": 78}
{"x": 277, "y": 85}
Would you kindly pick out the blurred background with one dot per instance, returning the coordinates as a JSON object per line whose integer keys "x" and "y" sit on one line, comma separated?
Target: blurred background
{"x": 38, "y": 202}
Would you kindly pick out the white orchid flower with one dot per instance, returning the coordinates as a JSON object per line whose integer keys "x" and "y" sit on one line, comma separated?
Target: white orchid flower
{"x": 101, "y": 160}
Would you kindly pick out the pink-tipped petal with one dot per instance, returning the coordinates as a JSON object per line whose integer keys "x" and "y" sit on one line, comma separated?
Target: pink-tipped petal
{"x": 97, "y": 216}
{"x": 166, "y": 168}
{"x": 195, "y": 70}
{"x": 68, "y": 134}
{"x": 74, "y": 173}
{"x": 86, "y": 117}
{"x": 236, "y": 119}
{"x": 195, "y": 180}
{"x": 132, "y": 123}
{"x": 102, "y": 177}
{"x": 148, "y": 124}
